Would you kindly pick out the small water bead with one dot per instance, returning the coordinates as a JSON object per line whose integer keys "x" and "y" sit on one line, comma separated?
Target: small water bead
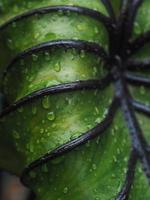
{"x": 48, "y": 36}
{"x": 137, "y": 28}
{"x": 25, "y": 70}
{"x": 89, "y": 126}
{"x": 36, "y": 35}
{"x": 20, "y": 110}
{"x": 47, "y": 56}
{"x": 115, "y": 159}
{"x": 52, "y": 83}
{"x": 61, "y": 12}
{"x": 45, "y": 168}
{"x": 97, "y": 140}
{"x": 48, "y": 134}
{"x": 98, "y": 120}
{"x": 125, "y": 170}
{"x": 14, "y": 24}
{"x": 65, "y": 190}
{"x": 94, "y": 167}
{"x": 15, "y": 9}
{"x": 51, "y": 116}
{"x": 105, "y": 113}
{"x": 22, "y": 63}
{"x": 118, "y": 151}
{"x": 57, "y": 67}
{"x": 16, "y": 134}
{"x": 45, "y": 102}
{"x": 41, "y": 130}
{"x": 43, "y": 121}
{"x": 125, "y": 159}
{"x": 96, "y": 30}
{"x": 68, "y": 12}
{"x": 142, "y": 90}
{"x": 97, "y": 110}
{"x": 113, "y": 132}
{"x": 34, "y": 110}
{"x": 10, "y": 43}
{"x": 37, "y": 141}
{"x": 30, "y": 148}
{"x": 82, "y": 54}
{"x": 34, "y": 57}
{"x": 32, "y": 174}
{"x": 116, "y": 128}
{"x": 80, "y": 27}
{"x": 113, "y": 175}
{"x": 87, "y": 144}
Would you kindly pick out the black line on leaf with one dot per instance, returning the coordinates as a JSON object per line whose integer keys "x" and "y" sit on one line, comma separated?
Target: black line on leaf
{"x": 109, "y": 8}
{"x": 66, "y": 44}
{"x": 137, "y": 79}
{"x": 133, "y": 7}
{"x": 125, "y": 190}
{"x": 138, "y": 141}
{"x": 135, "y": 45}
{"x": 137, "y": 65}
{"x": 98, "y": 130}
{"x": 120, "y": 44}
{"x": 107, "y": 22}
{"x": 74, "y": 86}
{"x": 140, "y": 107}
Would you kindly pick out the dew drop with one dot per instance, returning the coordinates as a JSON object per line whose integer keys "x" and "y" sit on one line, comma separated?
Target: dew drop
{"x": 57, "y": 67}
{"x": 16, "y": 134}
{"x": 14, "y": 25}
{"x": 44, "y": 168}
{"x": 47, "y": 56}
{"x": 65, "y": 190}
{"x": 82, "y": 54}
{"x": 96, "y": 30}
{"x": 34, "y": 110}
{"x": 32, "y": 174}
{"x": 51, "y": 116}
{"x": 98, "y": 120}
{"x": 45, "y": 102}
{"x": 80, "y": 27}
{"x": 34, "y": 57}
{"x": 142, "y": 90}
{"x": 97, "y": 110}
{"x": 10, "y": 43}
{"x": 41, "y": 130}
{"x": 94, "y": 166}
{"x": 115, "y": 159}
{"x": 20, "y": 110}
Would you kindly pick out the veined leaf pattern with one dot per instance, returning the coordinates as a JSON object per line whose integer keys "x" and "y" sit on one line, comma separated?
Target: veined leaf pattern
{"x": 98, "y": 114}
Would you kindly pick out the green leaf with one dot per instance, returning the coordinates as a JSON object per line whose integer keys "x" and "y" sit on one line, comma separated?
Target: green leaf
{"x": 76, "y": 83}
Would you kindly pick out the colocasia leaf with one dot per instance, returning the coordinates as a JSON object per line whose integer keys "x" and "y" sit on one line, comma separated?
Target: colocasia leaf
{"x": 75, "y": 80}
